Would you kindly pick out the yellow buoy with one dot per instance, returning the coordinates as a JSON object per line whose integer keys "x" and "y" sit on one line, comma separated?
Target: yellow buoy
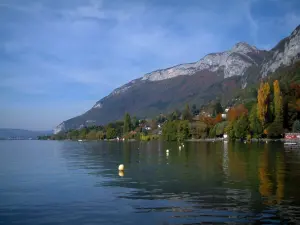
{"x": 121, "y": 167}
{"x": 121, "y": 173}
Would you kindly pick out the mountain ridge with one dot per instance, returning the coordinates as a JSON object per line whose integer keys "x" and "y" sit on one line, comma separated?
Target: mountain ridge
{"x": 6, "y": 133}
{"x": 213, "y": 75}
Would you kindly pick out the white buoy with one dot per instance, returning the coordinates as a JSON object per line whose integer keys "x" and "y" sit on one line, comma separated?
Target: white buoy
{"x": 183, "y": 145}
{"x": 121, "y": 167}
{"x": 167, "y": 151}
{"x": 179, "y": 147}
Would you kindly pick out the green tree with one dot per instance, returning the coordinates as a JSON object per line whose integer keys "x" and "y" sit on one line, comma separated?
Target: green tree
{"x": 169, "y": 131}
{"x": 174, "y": 116}
{"x": 275, "y": 129}
{"x": 296, "y": 126}
{"x": 195, "y": 111}
{"x": 183, "y": 130}
{"x": 218, "y": 108}
{"x": 111, "y": 133}
{"x": 135, "y": 123}
{"x": 220, "y": 128}
{"x": 241, "y": 127}
{"x": 255, "y": 125}
{"x": 127, "y": 123}
{"x": 92, "y": 135}
{"x": 187, "y": 113}
{"x": 278, "y": 105}
{"x": 82, "y": 133}
{"x": 212, "y": 132}
{"x": 230, "y": 129}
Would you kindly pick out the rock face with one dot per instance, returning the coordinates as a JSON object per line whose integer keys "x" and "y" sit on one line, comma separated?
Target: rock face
{"x": 233, "y": 62}
{"x": 214, "y": 75}
{"x": 284, "y": 54}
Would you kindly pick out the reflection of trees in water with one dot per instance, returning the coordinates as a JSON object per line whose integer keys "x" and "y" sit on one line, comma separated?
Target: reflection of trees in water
{"x": 272, "y": 170}
{"x": 266, "y": 185}
{"x": 206, "y": 173}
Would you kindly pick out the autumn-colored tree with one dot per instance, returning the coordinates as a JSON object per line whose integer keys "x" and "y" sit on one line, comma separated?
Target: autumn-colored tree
{"x": 218, "y": 118}
{"x": 277, "y": 101}
{"x": 235, "y": 112}
{"x": 262, "y": 102}
{"x": 209, "y": 121}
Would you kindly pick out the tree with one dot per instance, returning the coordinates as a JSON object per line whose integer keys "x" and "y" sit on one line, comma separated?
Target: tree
{"x": 174, "y": 115}
{"x": 219, "y": 118}
{"x": 111, "y": 133}
{"x": 218, "y": 108}
{"x": 198, "y": 129}
{"x": 187, "y": 113}
{"x": 296, "y": 126}
{"x": 82, "y": 133}
{"x": 255, "y": 125}
{"x": 241, "y": 128}
{"x": 210, "y": 122}
{"x": 183, "y": 130}
{"x": 127, "y": 123}
{"x": 275, "y": 130}
{"x": 277, "y": 102}
{"x": 230, "y": 129}
{"x": 134, "y": 122}
{"x": 262, "y": 99}
{"x": 212, "y": 132}
{"x": 169, "y": 131}
{"x": 92, "y": 135}
{"x": 220, "y": 128}
{"x": 100, "y": 135}
{"x": 235, "y": 112}
{"x": 195, "y": 111}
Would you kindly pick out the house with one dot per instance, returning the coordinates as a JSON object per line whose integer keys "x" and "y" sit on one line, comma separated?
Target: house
{"x": 147, "y": 128}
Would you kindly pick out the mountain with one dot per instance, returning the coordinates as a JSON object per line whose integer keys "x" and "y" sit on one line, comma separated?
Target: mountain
{"x": 215, "y": 75}
{"x": 6, "y": 133}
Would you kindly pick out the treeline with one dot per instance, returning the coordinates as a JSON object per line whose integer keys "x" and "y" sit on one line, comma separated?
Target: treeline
{"x": 266, "y": 111}
{"x": 128, "y": 128}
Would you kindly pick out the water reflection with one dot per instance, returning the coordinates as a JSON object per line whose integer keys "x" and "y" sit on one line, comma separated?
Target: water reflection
{"x": 203, "y": 182}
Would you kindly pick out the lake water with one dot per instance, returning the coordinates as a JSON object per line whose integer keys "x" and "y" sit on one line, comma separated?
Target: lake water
{"x": 49, "y": 182}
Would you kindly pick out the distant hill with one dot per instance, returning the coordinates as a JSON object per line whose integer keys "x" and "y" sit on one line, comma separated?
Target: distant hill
{"x": 6, "y": 133}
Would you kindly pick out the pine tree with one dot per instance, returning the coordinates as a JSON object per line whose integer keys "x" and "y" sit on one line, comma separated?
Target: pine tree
{"x": 187, "y": 113}
{"x": 262, "y": 99}
{"x": 127, "y": 123}
{"x": 218, "y": 108}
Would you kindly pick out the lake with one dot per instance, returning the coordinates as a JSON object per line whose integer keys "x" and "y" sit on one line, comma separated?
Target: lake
{"x": 52, "y": 182}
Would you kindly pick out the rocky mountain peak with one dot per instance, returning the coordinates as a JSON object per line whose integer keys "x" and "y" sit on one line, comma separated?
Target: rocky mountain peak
{"x": 243, "y": 47}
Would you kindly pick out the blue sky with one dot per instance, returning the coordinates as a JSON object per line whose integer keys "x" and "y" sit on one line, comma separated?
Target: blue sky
{"x": 58, "y": 57}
